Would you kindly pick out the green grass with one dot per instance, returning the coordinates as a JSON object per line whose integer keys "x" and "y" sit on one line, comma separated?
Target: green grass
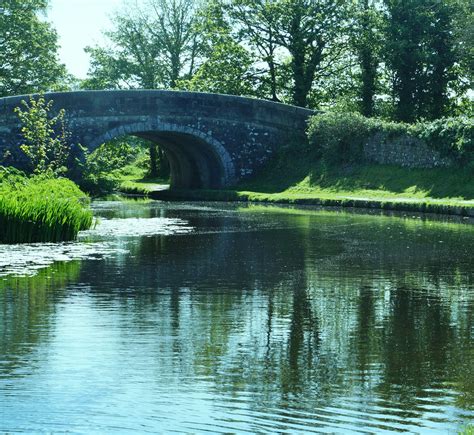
{"x": 301, "y": 178}
{"x": 298, "y": 176}
{"x": 468, "y": 430}
{"x": 133, "y": 180}
{"x": 40, "y": 209}
{"x": 303, "y": 175}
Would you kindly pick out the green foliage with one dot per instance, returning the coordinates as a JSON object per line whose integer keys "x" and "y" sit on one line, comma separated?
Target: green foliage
{"x": 421, "y": 51}
{"x": 99, "y": 168}
{"x": 225, "y": 72}
{"x": 468, "y": 430}
{"x": 313, "y": 34}
{"x": 226, "y": 64}
{"x": 340, "y": 136}
{"x": 253, "y": 24}
{"x": 147, "y": 48}
{"x": 28, "y": 49}
{"x": 45, "y": 136}
{"x": 399, "y": 59}
{"x": 452, "y": 137}
{"x": 40, "y": 209}
{"x": 366, "y": 42}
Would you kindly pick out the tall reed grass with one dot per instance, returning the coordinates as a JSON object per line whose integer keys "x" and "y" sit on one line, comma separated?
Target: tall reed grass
{"x": 40, "y": 209}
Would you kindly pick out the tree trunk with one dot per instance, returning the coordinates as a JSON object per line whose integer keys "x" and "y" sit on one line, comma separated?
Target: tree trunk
{"x": 153, "y": 160}
{"x": 369, "y": 76}
{"x": 163, "y": 164}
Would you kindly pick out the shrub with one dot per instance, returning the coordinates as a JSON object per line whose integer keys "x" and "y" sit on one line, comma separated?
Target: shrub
{"x": 45, "y": 137}
{"x": 340, "y": 136}
{"x": 99, "y": 168}
{"x": 451, "y": 137}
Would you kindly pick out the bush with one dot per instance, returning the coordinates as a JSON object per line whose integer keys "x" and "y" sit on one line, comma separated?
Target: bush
{"x": 341, "y": 136}
{"x": 45, "y": 137}
{"x": 99, "y": 169}
{"x": 451, "y": 137}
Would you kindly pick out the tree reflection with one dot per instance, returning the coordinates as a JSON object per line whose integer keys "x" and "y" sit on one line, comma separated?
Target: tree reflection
{"x": 27, "y": 307}
{"x": 291, "y": 312}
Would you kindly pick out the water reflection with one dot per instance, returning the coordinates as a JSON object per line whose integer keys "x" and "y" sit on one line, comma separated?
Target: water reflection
{"x": 258, "y": 320}
{"x": 27, "y": 308}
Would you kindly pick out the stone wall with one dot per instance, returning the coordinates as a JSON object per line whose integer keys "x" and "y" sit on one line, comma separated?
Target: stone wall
{"x": 403, "y": 151}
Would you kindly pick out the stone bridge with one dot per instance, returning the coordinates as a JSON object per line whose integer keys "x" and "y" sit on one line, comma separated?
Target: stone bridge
{"x": 211, "y": 140}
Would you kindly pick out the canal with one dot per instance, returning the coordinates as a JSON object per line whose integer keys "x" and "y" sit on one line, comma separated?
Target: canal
{"x": 226, "y": 318}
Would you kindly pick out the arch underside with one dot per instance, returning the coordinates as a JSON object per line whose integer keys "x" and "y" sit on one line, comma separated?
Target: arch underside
{"x": 193, "y": 163}
{"x": 196, "y": 159}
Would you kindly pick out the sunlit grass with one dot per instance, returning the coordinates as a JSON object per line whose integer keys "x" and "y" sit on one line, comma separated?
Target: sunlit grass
{"x": 133, "y": 180}
{"x": 304, "y": 175}
{"x": 40, "y": 209}
{"x": 468, "y": 430}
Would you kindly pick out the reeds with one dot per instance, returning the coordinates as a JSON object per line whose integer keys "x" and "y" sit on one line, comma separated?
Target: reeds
{"x": 41, "y": 209}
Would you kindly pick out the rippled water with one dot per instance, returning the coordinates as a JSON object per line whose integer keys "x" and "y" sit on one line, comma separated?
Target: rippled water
{"x": 194, "y": 318}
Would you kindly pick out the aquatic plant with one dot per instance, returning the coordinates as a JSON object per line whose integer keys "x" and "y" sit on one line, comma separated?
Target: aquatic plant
{"x": 40, "y": 208}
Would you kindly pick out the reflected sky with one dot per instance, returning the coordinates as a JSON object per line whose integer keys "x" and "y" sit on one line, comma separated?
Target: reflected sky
{"x": 253, "y": 319}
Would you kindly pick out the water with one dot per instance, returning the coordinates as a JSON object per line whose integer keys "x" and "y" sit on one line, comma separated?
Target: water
{"x": 189, "y": 318}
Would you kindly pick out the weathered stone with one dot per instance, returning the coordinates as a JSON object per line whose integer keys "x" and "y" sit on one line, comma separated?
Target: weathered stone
{"x": 211, "y": 140}
{"x": 403, "y": 150}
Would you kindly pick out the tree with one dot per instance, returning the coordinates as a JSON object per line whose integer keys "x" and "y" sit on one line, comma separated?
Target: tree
{"x": 421, "y": 51}
{"x": 148, "y": 48}
{"x": 174, "y": 28}
{"x": 313, "y": 33}
{"x": 464, "y": 32}
{"x": 131, "y": 61}
{"x": 441, "y": 59}
{"x": 366, "y": 41}
{"x": 255, "y": 23}
{"x": 45, "y": 137}
{"x": 28, "y": 49}
{"x": 226, "y": 65}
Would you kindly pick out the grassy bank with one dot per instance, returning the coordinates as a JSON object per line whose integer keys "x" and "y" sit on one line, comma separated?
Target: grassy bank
{"x": 133, "y": 180}
{"x": 301, "y": 178}
{"x": 441, "y": 207}
{"x": 40, "y": 209}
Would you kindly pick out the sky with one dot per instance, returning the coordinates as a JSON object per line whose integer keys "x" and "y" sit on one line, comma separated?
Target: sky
{"x": 80, "y": 23}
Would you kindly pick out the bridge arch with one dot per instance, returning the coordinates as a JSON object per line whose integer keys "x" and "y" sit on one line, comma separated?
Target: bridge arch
{"x": 197, "y": 160}
{"x": 212, "y": 140}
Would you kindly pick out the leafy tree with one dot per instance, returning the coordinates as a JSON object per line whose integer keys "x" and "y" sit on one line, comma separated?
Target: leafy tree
{"x": 294, "y": 44}
{"x": 255, "y": 23}
{"x": 312, "y": 32}
{"x": 174, "y": 28}
{"x": 366, "y": 41}
{"x": 131, "y": 61}
{"x": 464, "y": 32}
{"x": 225, "y": 72}
{"x": 226, "y": 64}
{"x": 421, "y": 51}
{"x": 45, "y": 136}
{"x": 148, "y": 48}
{"x": 28, "y": 49}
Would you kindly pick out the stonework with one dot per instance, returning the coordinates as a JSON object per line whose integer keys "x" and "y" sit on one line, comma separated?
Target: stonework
{"x": 403, "y": 151}
{"x": 211, "y": 140}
